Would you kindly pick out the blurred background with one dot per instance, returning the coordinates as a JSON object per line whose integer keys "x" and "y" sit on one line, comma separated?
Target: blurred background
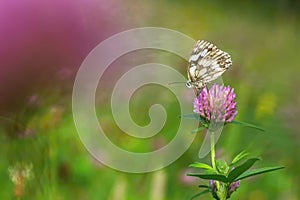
{"x": 42, "y": 46}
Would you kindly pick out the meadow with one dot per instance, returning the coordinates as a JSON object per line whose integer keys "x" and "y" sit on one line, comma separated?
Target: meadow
{"x": 37, "y": 128}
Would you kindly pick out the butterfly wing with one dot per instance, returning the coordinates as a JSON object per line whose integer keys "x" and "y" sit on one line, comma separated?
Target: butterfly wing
{"x": 207, "y": 63}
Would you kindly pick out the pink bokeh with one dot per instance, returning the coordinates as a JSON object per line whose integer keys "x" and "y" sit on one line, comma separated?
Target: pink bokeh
{"x": 44, "y": 41}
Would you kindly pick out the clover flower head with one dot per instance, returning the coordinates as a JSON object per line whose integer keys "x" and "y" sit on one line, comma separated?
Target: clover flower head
{"x": 216, "y": 104}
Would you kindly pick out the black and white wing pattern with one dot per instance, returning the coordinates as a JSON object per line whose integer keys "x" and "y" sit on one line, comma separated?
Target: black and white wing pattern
{"x": 206, "y": 64}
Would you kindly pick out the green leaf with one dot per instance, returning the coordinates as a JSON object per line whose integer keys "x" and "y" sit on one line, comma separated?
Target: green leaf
{"x": 257, "y": 172}
{"x": 199, "y": 129}
{"x": 217, "y": 177}
{"x": 203, "y": 186}
{"x": 248, "y": 125}
{"x": 241, "y": 169}
{"x": 201, "y": 166}
{"x": 200, "y": 193}
{"x": 239, "y": 157}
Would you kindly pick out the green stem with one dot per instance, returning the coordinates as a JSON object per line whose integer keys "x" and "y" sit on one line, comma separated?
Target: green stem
{"x": 223, "y": 188}
{"x": 224, "y": 196}
{"x": 213, "y": 153}
{"x": 213, "y": 161}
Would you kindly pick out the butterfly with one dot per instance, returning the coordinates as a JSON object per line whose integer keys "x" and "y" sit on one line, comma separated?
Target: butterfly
{"x": 206, "y": 64}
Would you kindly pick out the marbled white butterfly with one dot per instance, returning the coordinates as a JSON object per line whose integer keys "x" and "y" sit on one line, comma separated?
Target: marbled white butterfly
{"x": 206, "y": 64}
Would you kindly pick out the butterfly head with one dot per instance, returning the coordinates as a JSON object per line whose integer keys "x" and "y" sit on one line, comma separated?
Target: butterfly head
{"x": 188, "y": 84}
{"x": 198, "y": 85}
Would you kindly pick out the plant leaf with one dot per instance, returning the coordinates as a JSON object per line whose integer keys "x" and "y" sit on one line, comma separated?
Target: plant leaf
{"x": 241, "y": 169}
{"x": 198, "y": 129}
{"x": 217, "y": 177}
{"x": 257, "y": 172}
{"x": 248, "y": 125}
{"x": 200, "y": 193}
{"x": 201, "y": 166}
{"x": 239, "y": 157}
{"x": 203, "y": 186}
